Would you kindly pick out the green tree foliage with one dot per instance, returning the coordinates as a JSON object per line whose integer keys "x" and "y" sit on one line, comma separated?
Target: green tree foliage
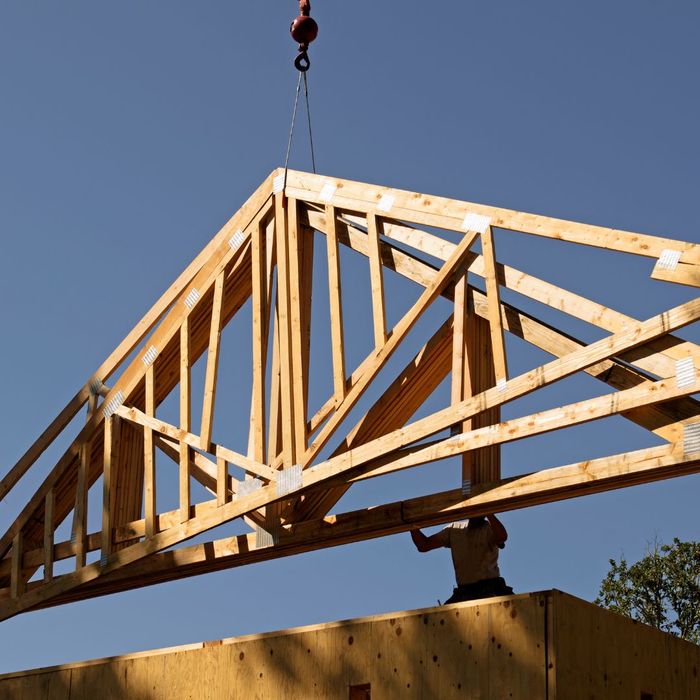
{"x": 662, "y": 589}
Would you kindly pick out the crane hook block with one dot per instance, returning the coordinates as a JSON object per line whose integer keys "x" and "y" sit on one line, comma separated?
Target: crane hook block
{"x": 303, "y": 30}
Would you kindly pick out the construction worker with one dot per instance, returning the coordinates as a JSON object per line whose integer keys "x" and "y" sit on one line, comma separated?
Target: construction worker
{"x": 474, "y": 545}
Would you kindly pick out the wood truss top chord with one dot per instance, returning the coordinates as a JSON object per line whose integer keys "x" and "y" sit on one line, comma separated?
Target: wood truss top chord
{"x": 282, "y": 486}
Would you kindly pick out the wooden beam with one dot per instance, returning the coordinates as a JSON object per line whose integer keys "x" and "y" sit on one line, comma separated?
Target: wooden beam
{"x": 682, "y": 274}
{"x": 260, "y": 336}
{"x": 417, "y": 239}
{"x": 210, "y": 518}
{"x": 336, "y": 307}
{"x": 48, "y": 536}
{"x": 494, "y": 305}
{"x": 212, "y": 364}
{"x": 185, "y": 418}
{"x": 185, "y": 364}
{"x": 546, "y": 486}
{"x": 517, "y": 492}
{"x": 128, "y": 473}
{"x": 458, "y": 339}
{"x": 307, "y": 246}
{"x": 17, "y": 582}
{"x": 139, "y": 418}
{"x": 484, "y": 464}
{"x": 450, "y": 214}
{"x": 297, "y": 344}
{"x": 109, "y": 459}
{"x": 377, "y": 280}
{"x": 351, "y": 464}
{"x": 461, "y": 378}
{"x": 274, "y": 444}
{"x": 92, "y": 405}
{"x": 184, "y": 495}
{"x": 80, "y": 512}
{"x": 203, "y": 470}
{"x": 329, "y": 406}
{"x": 658, "y": 356}
{"x": 519, "y": 428}
{"x": 149, "y": 457}
{"x": 221, "y": 481}
{"x": 284, "y": 330}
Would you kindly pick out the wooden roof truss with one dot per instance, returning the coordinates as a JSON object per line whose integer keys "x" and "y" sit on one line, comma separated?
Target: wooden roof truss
{"x": 285, "y": 485}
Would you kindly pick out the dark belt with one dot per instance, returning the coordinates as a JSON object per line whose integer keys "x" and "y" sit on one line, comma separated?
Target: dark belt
{"x": 482, "y": 589}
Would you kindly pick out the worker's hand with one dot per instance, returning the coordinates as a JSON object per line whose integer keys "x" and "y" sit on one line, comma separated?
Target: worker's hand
{"x": 419, "y": 539}
{"x": 498, "y": 531}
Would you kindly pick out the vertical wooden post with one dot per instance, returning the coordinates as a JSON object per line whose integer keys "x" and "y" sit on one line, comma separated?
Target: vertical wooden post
{"x": 92, "y": 405}
{"x": 485, "y": 462}
{"x": 274, "y": 444}
{"x": 260, "y": 335}
{"x": 493, "y": 299}
{"x": 212, "y": 365}
{"x": 458, "y": 339}
{"x": 48, "y": 536}
{"x": 306, "y": 277}
{"x": 185, "y": 419}
{"x": 80, "y": 512}
{"x": 149, "y": 458}
{"x": 473, "y": 372}
{"x": 109, "y": 458}
{"x": 17, "y": 583}
{"x": 274, "y": 427}
{"x": 299, "y": 379}
{"x": 221, "y": 481}
{"x": 336, "y": 306}
{"x": 284, "y": 326}
{"x": 377, "y": 278}
{"x": 461, "y": 375}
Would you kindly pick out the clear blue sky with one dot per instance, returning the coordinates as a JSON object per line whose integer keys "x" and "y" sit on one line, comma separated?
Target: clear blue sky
{"x": 130, "y": 131}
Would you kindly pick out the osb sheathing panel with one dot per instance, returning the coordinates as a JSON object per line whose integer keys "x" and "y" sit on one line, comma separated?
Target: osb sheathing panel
{"x": 489, "y": 650}
{"x": 482, "y": 650}
{"x": 601, "y": 655}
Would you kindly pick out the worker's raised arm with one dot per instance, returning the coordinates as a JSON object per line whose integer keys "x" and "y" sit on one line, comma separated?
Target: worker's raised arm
{"x": 498, "y": 531}
{"x": 425, "y": 544}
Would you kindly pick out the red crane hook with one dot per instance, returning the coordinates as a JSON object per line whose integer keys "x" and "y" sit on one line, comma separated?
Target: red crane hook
{"x": 303, "y": 30}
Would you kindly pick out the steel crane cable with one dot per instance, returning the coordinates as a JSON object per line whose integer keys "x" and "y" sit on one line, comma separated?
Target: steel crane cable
{"x": 303, "y": 30}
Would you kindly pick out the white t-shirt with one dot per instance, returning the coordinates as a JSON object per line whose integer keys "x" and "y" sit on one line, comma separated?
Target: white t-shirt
{"x": 474, "y": 552}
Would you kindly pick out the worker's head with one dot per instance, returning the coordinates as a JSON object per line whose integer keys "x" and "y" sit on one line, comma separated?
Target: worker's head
{"x": 478, "y": 521}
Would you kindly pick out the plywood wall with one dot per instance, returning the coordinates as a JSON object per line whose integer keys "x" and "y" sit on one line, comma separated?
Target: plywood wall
{"x": 543, "y": 646}
{"x": 493, "y": 650}
{"x": 601, "y": 655}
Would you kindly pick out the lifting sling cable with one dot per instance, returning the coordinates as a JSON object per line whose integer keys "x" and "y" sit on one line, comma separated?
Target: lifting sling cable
{"x": 303, "y": 30}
